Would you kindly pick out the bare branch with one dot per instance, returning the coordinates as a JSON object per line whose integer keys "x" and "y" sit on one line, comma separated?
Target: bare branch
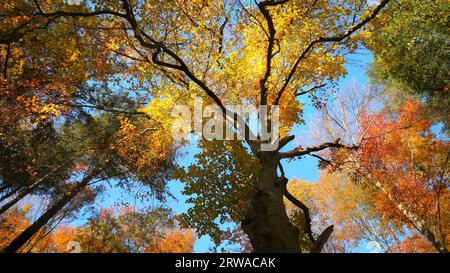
{"x": 101, "y": 108}
{"x": 307, "y": 91}
{"x": 307, "y": 151}
{"x": 321, "y": 40}
{"x": 284, "y": 141}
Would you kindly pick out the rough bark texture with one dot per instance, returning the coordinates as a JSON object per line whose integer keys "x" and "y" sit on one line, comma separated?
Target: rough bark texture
{"x": 266, "y": 222}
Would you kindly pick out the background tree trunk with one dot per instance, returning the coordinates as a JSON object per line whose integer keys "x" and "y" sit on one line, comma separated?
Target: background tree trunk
{"x": 28, "y": 233}
{"x": 4, "y": 187}
{"x": 21, "y": 195}
{"x": 16, "y": 199}
{"x": 9, "y": 194}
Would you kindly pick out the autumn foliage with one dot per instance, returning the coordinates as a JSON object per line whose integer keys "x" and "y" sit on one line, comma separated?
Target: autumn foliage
{"x": 87, "y": 95}
{"x": 393, "y": 183}
{"x": 106, "y": 232}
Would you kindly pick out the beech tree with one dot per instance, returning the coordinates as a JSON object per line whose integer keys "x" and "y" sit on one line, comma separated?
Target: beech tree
{"x": 265, "y": 53}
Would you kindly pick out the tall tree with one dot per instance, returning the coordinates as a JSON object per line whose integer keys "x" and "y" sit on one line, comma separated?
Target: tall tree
{"x": 401, "y": 161}
{"x": 97, "y": 144}
{"x": 410, "y": 166}
{"x": 50, "y": 118}
{"x": 263, "y": 53}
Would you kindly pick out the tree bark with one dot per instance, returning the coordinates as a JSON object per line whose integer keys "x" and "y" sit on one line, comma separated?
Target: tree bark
{"x": 16, "y": 199}
{"x": 9, "y": 194}
{"x": 4, "y": 187}
{"x": 22, "y": 194}
{"x": 266, "y": 222}
{"x": 416, "y": 222}
{"x": 28, "y": 233}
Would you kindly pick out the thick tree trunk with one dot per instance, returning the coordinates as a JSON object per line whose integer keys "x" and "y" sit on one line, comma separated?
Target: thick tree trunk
{"x": 266, "y": 222}
{"x": 28, "y": 233}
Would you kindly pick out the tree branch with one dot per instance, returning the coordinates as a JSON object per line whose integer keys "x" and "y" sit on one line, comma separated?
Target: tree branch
{"x": 148, "y": 42}
{"x": 306, "y": 215}
{"x": 337, "y": 38}
{"x": 307, "y": 91}
{"x": 284, "y": 141}
{"x": 271, "y": 36}
{"x": 301, "y": 152}
{"x": 322, "y": 159}
{"x": 316, "y": 244}
{"x": 101, "y": 108}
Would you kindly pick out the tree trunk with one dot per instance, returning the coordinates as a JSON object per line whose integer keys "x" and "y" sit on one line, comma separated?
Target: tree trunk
{"x": 9, "y": 194}
{"x": 28, "y": 233}
{"x": 4, "y": 187}
{"x": 12, "y": 202}
{"x": 24, "y": 193}
{"x": 266, "y": 222}
{"x": 417, "y": 223}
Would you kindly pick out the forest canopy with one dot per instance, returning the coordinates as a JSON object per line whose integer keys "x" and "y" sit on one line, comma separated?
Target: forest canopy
{"x": 92, "y": 92}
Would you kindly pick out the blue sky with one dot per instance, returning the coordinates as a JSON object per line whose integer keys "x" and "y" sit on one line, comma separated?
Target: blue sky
{"x": 305, "y": 169}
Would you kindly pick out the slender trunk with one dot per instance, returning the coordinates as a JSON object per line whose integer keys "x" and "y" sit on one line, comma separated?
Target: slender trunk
{"x": 9, "y": 194}
{"x": 21, "y": 195}
{"x": 16, "y": 199}
{"x": 28, "y": 233}
{"x": 267, "y": 223}
{"x": 417, "y": 223}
